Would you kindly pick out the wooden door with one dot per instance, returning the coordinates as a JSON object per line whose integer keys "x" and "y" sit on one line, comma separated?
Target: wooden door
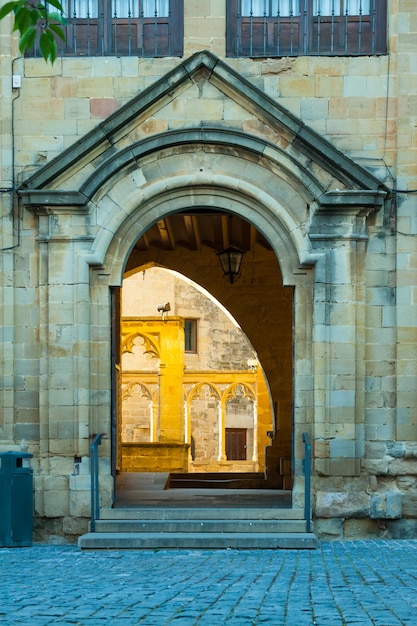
{"x": 236, "y": 444}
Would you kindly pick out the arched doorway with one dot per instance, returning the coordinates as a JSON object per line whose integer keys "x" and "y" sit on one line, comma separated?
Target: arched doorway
{"x": 188, "y": 241}
{"x": 159, "y": 155}
{"x": 197, "y": 345}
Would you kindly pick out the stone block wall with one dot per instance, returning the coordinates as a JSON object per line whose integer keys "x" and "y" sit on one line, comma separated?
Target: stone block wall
{"x": 156, "y": 457}
{"x": 364, "y": 439}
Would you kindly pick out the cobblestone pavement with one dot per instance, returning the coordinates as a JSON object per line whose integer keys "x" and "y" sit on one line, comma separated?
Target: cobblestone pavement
{"x": 360, "y": 582}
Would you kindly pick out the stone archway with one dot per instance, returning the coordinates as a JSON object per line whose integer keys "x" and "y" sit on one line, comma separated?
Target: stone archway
{"x": 259, "y": 301}
{"x": 309, "y": 201}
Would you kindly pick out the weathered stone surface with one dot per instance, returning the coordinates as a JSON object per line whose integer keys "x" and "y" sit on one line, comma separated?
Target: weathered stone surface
{"x": 329, "y": 529}
{"x": 403, "y": 529}
{"x": 395, "y": 449}
{"x": 378, "y": 467}
{"x": 407, "y": 483}
{"x": 75, "y": 525}
{"x": 361, "y": 529}
{"x": 410, "y": 450}
{"x": 410, "y": 505}
{"x": 375, "y": 450}
{"x": 386, "y": 505}
{"x": 400, "y": 467}
{"x": 338, "y": 467}
{"x": 341, "y": 504}
{"x": 56, "y": 501}
{"x": 48, "y": 530}
{"x": 79, "y": 494}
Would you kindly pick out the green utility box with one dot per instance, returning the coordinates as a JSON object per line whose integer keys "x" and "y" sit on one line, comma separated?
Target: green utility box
{"x": 16, "y": 499}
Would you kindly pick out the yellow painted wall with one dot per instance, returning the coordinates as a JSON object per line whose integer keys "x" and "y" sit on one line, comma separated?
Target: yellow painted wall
{"x": 169, "y": 390}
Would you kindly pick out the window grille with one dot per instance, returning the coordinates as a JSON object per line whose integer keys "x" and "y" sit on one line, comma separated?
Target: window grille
{"x": 259, "y": 28}
{"x": 145, "y": 28}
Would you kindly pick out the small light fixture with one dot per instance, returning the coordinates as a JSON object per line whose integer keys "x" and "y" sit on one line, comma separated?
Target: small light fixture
{"x": 231, "y": 260}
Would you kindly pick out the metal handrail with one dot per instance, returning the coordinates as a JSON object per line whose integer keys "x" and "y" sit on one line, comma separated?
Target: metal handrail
{"x": 307, "y": 481}
{"x": 95, "y": 494}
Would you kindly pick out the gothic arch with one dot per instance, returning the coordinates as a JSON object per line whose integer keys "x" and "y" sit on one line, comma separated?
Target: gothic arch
{"x": 195, "y": 391}
{"x": 229, "y": 393}
{"x": 129, "y": 387}
{"x": 150, "y": 346}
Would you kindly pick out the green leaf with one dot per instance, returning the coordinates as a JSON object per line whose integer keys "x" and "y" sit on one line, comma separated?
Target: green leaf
{"x": 27, "y": 40}
{"x": 22, "y": 20}
{"x": 57, "y": 18}
{"x": 36, "y": 16}
{"x": 57, "y": 5}
{"x": 44, "y": 46}
{"x": 47, "y": 46}
{"x": 58, "y": 31}
{"x": 49, "y": 34}
{"x": 32, "y": 18}
{"x": 53, "y": 53}
{"x": 7, "y": 8}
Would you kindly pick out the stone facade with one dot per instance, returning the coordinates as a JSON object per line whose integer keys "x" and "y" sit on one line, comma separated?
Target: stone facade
{"x": 317, "y": 153}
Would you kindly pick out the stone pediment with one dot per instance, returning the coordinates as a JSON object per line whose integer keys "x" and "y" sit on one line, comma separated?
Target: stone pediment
{"x": 202, "y": 101}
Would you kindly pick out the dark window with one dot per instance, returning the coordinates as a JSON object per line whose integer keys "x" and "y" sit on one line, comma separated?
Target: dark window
{"x": 260, "y": 28}
{"x": 190, "y": 334}
{"x": 144, "y": 28}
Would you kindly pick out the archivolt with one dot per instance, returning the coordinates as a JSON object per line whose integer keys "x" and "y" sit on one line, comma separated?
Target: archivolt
{"x": 214, "y": 139}
{"x": 141, "y": 197}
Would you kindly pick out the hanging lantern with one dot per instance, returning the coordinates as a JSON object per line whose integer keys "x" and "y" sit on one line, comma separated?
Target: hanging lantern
{"x": 231, "y": 260}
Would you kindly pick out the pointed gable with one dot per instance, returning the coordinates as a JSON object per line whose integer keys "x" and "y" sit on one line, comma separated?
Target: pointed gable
{"x": 202, "y": 100}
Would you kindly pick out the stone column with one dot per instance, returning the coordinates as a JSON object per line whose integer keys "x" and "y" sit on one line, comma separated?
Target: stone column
{"x": 338, "y": 234}
{"x": 222, "y": 430}
{"x": 67, "y": 390}
{"x": 171, "y": 418}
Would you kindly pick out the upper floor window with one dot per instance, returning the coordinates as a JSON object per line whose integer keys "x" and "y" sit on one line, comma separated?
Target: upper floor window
{"x": 190, "y": 335}
{"x": 259, "y": 28}
{"x": 145, "y": 28}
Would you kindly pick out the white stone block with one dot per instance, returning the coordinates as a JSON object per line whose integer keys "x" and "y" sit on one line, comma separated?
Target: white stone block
{"x": 342, "y": 504}
{"x": 342, "y": 398}
{"x": 342, "y": 448}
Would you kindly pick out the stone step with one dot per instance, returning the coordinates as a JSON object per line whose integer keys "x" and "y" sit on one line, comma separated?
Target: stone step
{"x": 222, "y": 480}
{"x": 204, "y": 525}
{"x": 197, "y": 513}
{"x": 201, "y": 541}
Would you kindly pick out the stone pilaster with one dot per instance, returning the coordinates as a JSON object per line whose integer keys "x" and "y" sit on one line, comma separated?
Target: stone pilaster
{"x": 338, "y": 234}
